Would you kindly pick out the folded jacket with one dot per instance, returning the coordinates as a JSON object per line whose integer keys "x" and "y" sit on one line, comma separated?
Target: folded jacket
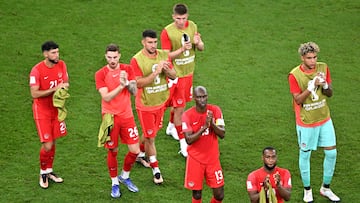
{"x": 105, "y": 128}
{"x": 59, "y": 99}
{"x": 271, "y": 196}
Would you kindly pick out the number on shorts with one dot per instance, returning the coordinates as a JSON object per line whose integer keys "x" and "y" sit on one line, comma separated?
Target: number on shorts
{"x": 219, "y": 176}
{"x": 133, "y": 132}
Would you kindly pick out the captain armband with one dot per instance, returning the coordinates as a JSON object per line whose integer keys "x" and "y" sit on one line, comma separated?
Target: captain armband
{"x": 326, "y": 86}
{"x": 219, "y": 121}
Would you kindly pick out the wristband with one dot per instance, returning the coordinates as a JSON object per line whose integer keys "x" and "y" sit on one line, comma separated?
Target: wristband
{"x": 326, "y": 86}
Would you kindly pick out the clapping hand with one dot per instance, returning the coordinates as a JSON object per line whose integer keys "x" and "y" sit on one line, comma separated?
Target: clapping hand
{"x": 123, "y": 78}
{"x": 277, "y": 178}
{"x": 266, "y": 182}
{"x": 209, "y": 118}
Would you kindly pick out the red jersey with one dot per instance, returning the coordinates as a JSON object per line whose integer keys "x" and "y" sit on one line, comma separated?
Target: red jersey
{"x": 206, "y": 149}
{"x": 121, "y": 103}
{"x": 256, "y": 178}
{"x": 47, "y": 78}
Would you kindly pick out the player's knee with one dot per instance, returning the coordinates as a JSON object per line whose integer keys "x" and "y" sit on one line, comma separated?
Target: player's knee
{"x": 47, "y": 146}
{"x": 219, "y": 194}
{"x": 305, "y": 155}
{"x": 197, "y": 194}
{"x": 112, "y": 153}
{"x": 219, "y": 197}
{"x": 330, "y": 153}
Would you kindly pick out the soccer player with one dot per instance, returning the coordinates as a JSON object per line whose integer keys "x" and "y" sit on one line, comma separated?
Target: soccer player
{"x": 181, "y": 39}
{"x": 46, "y": 77}
{"x": 269, "y": 174}
{"x": 310, "y": 86}
{"x": 202, "y": 125}
{"x": 152, "y": 67}
{"x": 115, "y": 83}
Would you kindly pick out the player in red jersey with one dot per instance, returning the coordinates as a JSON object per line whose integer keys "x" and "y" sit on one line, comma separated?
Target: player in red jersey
{"x": 115, "y": 83}
{"x": 202, "y": 125}
{"x": 181, "y": 39}
{"x": 279, "y": 178}
{"x": 152, "y": 68}
{"x": 45, "y": 78}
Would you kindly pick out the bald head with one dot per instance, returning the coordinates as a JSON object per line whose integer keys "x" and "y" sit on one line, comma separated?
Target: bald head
{"x": 199, "y": 89}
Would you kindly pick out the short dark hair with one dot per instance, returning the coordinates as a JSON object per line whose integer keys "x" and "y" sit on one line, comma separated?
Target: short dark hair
{"x": 149, "y": 33}
{"x": 268, "y": 148}
{"x": 48, "y": 45}
{"x": 180, "y": 9}
{"x": 112, "y": 47}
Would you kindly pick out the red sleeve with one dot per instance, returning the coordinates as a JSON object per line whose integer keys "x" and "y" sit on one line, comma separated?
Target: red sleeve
{"x": 294, "y": 86}
{"x": 34, "y": 77}
{"x": 328, "y": 77}
{"x": 65, "y": 73}
{"x": 165, "y": 41}
{"x": 286, "y": 179}
{"x": 218, "y": 113}
{"x": 100, "y": 79}
{"x": 251, "y": 182}
{"x": 171, "y": 64}
{"x": 185, "y": 119}
{"x": 135, "y": 67}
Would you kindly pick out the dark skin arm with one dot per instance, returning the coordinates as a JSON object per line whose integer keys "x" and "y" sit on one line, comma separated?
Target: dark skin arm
{"x": 285, "y": 193}
{"x": 254, "y": 196}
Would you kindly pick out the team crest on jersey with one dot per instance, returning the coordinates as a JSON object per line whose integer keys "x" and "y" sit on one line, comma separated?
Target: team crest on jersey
{"x": 150, "y": 131}
{"x": 60, "y": 75}
{"x": 46, "y": 136}
{"x": 179, "y": 101}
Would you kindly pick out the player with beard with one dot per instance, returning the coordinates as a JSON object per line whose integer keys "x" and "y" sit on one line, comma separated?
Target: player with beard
{"x": 46, "y": 78}
{"x": 152, "y": 68}
{"x": 279, "y": 178}
{"x": 116, "y": 83}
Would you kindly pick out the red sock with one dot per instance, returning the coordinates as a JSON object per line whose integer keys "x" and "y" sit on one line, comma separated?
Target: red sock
{"x": 142, "y": 147}
{"x": 44, "y": 158}
{"x": 213, "y": 200}
{"x": 179, "y": 131}
{"x": 112, "y": 163}
{"x": 51, "y": 156}
{"x": 171, "y": 116}
{"x": 193, "y": 200}
{"x": 130, "y": 159}
{"x": 155, "y": 164}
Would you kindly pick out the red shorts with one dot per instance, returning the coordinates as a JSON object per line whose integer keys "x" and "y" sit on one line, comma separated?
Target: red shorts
{"x": 196, "y": 172}
{"x": 125, "y": 129}
{"x": 50, "y": 129}
{"x": 151, "y": 121}
{"x": 182, "y": 92}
